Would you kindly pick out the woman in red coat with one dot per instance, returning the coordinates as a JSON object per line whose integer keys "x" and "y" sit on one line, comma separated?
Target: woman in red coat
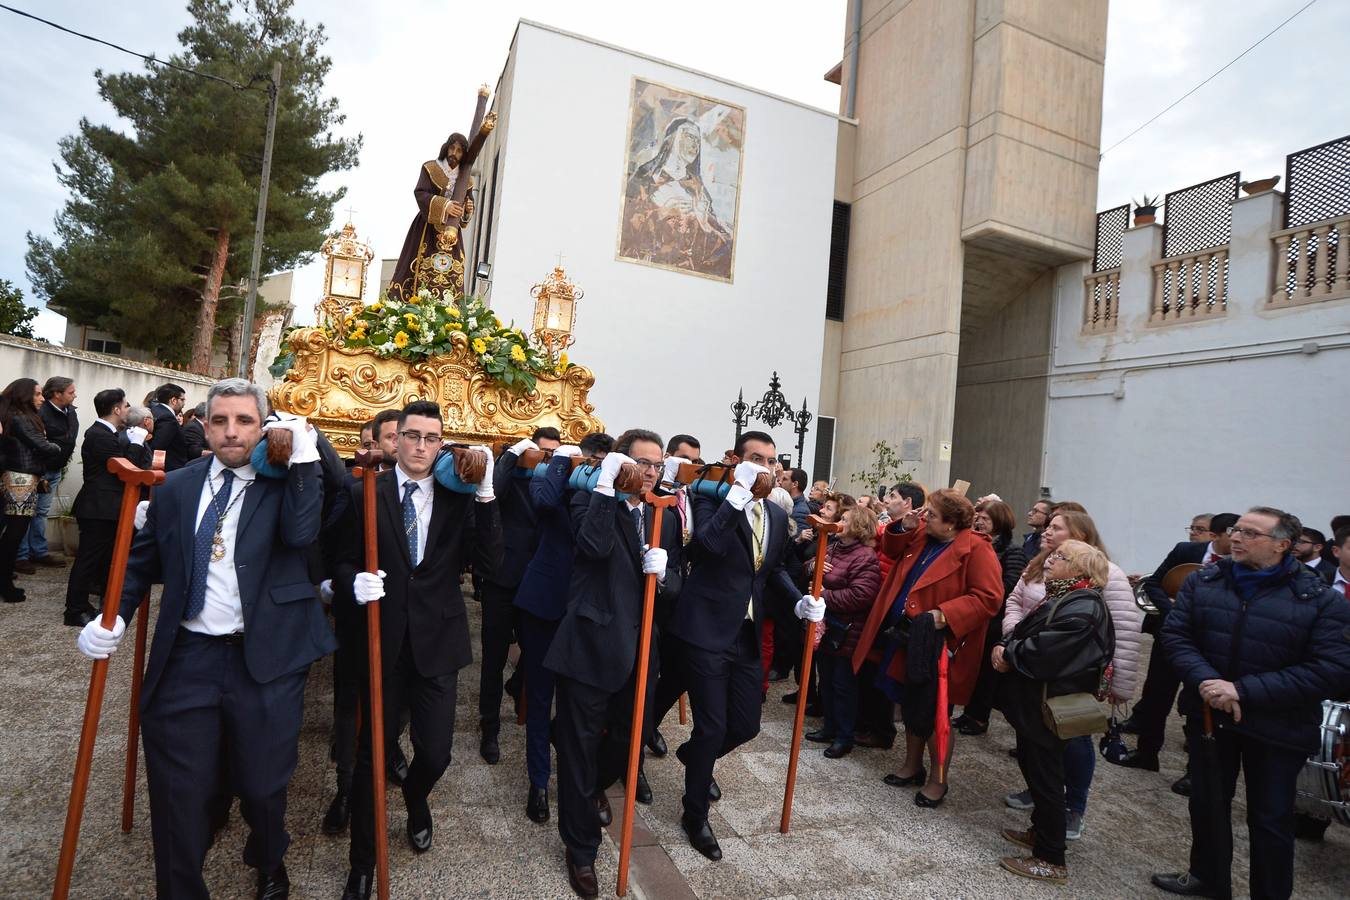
{"x": 950, "y": 574}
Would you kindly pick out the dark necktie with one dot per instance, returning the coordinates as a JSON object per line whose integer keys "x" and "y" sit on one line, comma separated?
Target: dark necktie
{"x": 637, "y": 524}
{"x": 410, "y": 519}
{"x": 204, "y": 544}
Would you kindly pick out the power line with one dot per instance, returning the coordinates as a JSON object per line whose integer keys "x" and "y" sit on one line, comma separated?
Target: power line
{"x": 149, "y": 58}
{"x": 1169, "y": 107}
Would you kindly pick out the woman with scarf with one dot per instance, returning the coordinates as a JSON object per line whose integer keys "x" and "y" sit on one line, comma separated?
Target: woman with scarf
{"x": 28, "y": 455}
{"x": 941, "y": 593}
{"x": 1060, "y": 648}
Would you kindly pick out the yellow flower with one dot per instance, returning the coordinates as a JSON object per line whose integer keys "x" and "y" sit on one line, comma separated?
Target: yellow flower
{"x": 517, "y": 354}
{"x": 358, "y": 335}
{"x": 414, "y": 299}
{"x": 562, "y": 360}
{"x": 452, "y": 312}
{"x": 414, "y": 325}
{"x": 401, "y": 340}
{"x": 376, "y": 306}
{"x": 479, "y": 346}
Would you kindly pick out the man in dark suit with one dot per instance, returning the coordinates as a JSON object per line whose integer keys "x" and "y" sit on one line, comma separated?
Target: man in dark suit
{"x": 194, "y": 434}
{"x": 167, "y": 433}
{"x": 594, "y": 653}
{"x": 520, "y": 537}
{"x": 739, "y": 547}
{"x": 540, "y": 603}
{"x": 239, "y": 625}
{"x": 1149, "y": 719}
{"x": 63, "y": 427}
{"x": 426, "y": 533}
{"x": 99, "y": 501}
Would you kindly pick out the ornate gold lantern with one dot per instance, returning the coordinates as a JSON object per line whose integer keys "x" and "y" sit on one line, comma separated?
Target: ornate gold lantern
{"x": 555, "y": 312}
{"x": 346, "y": 259}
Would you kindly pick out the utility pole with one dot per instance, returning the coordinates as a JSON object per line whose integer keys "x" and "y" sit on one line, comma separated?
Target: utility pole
{"x": 251, "y": 304}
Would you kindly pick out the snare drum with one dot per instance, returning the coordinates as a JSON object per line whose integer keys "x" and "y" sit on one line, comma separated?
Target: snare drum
{"x": 1324, "y": 783}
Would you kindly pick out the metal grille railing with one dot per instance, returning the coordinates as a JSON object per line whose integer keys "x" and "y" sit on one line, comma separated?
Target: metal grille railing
{"x": 1317, "y": 183}
{"x": 1199, "y": 217}
{"x": 1108, "y": 250}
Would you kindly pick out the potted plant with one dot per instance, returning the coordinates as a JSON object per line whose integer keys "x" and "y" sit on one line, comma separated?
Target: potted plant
{"x": 1145, "y": 211}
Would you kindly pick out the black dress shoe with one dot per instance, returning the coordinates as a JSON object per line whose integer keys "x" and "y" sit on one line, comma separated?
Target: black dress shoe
{"x": 79, "y": 619}
{"x": 396, "y": 766}
{"x": 582, "y": 879}
{"x": 13, "y": 595}
{"x": 922, "y": 799}
{"x": 358, "y": 885}
{"x": 419, "y": 824}
{"x": 1182, "y": 785}
{"x": 339, "y": 813}
{"x": 1137, "y": 759}
{"x": 789, "y": 698}
{"x": 714, "y": 792}
{"x": 24, "y": 567}
{"x": 274, "y": 885}
{"x": 657, "y": 745}
{"x": 536, "y": 806}
{"x": 603, "y": 811}
{"x": 1130, "y": 726}
{"x": 820, "y": 736}
{"x": 838, "y": 749}
{"x": 776, "y": 676}
{"x": 1183, "y": 883}
{"x": 917, "y": 779}
{"x": 643, "y": 792}
{"x": 868, "y": 739}
{"x": 701, "y": 838}
{"x": 488, "y": 748}
{"x": 970, "y": 726}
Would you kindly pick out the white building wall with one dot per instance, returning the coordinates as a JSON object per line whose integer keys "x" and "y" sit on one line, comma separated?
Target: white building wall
{"x": 669, "y": 349}
{"x": 1152, "y": 424}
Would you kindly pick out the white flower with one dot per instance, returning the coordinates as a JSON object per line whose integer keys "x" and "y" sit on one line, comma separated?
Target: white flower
{"x": 473, "y": 324}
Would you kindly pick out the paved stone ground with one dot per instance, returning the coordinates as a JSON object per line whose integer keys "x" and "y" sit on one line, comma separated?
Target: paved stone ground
{"x": 853, "y": 837}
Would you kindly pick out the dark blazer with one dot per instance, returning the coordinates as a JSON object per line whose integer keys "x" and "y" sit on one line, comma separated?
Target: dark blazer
{"x": 63, "y": 425}
{"x": 422, "y": 605}
{"x": 194, "y": 439}
{"x": 100, "y": 496}
{"x": 284, "y": 625}
{"x": 520, "y": 525}
{"x": 1182, "y": 554}
{"x": 597, "y": 640}
{"x": 544, "y": 585}
{"x": 168, "y": 437}
{"x": 1327, "y": 569}
{"x": 722, "y": 579}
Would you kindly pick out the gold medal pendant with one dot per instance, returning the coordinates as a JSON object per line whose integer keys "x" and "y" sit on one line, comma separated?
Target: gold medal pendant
{"x": 217, "y": 548}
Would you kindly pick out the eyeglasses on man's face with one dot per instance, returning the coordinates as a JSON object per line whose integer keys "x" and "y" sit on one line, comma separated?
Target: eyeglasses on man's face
{"x": 1197, "y": 529}
{"x": 418, "y": 439}
{"x": 649, "y": 465}
{"x": 1250, "y": 533}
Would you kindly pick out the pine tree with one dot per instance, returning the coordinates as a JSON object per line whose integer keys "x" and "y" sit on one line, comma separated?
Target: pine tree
{"x": 156, "y": 234}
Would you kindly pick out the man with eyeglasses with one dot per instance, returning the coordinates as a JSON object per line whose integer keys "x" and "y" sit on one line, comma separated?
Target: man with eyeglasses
{"x": 1261, "y": 641}
{"x": 1037, "y": 518}
{"x": 1308, "y": 550}
{"x": 1149, "y": 719}
{"x": 594, "y": 652}
{"x": 426, "y": 533}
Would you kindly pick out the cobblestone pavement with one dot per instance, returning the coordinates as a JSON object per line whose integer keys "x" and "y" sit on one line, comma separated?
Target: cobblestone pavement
{"x": 852, "y": 837}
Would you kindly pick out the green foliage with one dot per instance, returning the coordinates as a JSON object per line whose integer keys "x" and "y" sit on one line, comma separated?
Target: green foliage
{"x": 886, "y": 469}
{"x": 16, "y": 317}
{"x": 133, "y": 242}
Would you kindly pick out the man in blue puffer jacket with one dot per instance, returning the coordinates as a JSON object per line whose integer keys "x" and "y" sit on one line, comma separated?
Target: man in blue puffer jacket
{"x": 1263, "y": 641}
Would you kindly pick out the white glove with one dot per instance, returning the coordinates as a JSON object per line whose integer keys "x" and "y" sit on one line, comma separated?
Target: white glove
{"x": 654, "y": 563}
{"x": 672, "y": 468}
{"x": 142, "y": 512}
{"x": 519, "y": 447}
{"x": 812, "y": 609}
{"x": 304, "y": 439}
{"x": 97, "y": 642}
{"x": 609, "y": 470}
{"x": 137, "y": 435}
{"x": 368, "y": 586}
{"x": 568, "y": 450}
{"x": 326, "y": 590}
{"x": 485, "y": 493}
{"x": 744, "y": 475}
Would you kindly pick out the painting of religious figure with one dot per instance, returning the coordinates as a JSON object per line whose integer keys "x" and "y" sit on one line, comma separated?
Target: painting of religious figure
{"x": 682, "y": 181}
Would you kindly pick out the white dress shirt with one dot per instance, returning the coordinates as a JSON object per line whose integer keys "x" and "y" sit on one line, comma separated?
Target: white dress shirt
{"x": 1210, "y": 551}
{"x": 422, "y": 500}
{"x": 110, "y": 426}
{"x": 1340, "y": 583}
{"x": 224, "y": 611}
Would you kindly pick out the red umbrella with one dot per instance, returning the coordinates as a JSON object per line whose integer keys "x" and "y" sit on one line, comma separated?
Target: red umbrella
{"x": 942, "y": 726}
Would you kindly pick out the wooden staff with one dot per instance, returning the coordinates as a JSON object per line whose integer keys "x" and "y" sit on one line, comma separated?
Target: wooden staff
{"x": 137, "y": 676}
{"x": 368, "y": 466}
{"x": 658, "y": 503}
{"x": 133, "y": 478}
{"x": 683, "y": 710}
{"x": 823, "y": 530}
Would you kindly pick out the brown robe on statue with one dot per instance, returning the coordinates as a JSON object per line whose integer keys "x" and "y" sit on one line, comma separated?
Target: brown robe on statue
{"x": 431, "y": 193}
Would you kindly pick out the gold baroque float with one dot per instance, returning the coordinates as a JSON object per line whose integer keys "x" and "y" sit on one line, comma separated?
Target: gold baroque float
{"x": 339, "y": 390}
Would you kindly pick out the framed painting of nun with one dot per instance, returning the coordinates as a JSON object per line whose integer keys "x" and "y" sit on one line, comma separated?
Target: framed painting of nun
{"x": 682, "y": 181}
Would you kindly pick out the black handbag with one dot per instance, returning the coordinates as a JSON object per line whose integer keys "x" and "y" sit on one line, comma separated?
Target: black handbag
{"x": 898, "y": 632}
{"x": 836, "y": 632}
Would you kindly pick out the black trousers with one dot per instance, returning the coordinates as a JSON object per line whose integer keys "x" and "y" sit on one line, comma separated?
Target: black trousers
{"x": 724, "y": 691}
{"x": 1157, "y": 701}
{"x": 207, "y": 713}
{"x": 89, "y": 573}
{"x": 536, "y": 636}
{"x": 497, "y": 638}
{"x": 591, "y": 734}
{"x": 787, "y": 634}
{"x": 15, "y": 529}
{"x": 1042, "y": 765}
{"x": 876, "y": 711}
{"x": 430, "y": 700}
{"x": 347, "y": 686}
{"x": 1271, "y": 774}
{"x": 982, "y": 696}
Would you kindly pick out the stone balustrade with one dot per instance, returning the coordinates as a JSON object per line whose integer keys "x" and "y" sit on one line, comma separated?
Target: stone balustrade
{"x": 1312, "y": 263}
{"x": 1191, "y": 286}
{"x": 1101, "y": 301}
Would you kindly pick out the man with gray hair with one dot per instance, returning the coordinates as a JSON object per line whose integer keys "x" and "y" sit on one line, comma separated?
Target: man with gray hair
{"x": 1259, "y": 640}
{"x": 239, "y": 625}
{"x": 139, "y": 417}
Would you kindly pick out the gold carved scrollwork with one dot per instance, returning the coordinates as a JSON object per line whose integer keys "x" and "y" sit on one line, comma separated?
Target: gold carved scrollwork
{"x": 364, "y": 382}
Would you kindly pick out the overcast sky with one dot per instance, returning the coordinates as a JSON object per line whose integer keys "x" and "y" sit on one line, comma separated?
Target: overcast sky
{"x": 1287, "y": 94}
